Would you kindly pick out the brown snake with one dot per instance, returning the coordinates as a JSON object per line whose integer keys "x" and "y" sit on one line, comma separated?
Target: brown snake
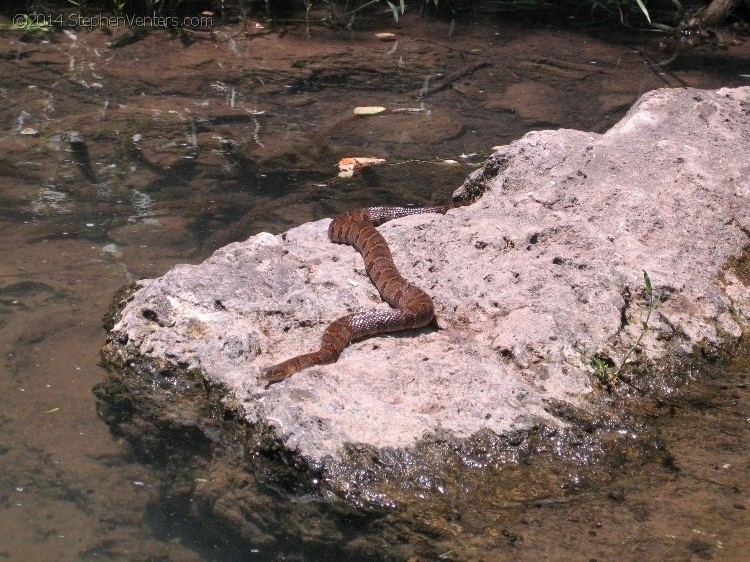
{"x": 412, "y": 307}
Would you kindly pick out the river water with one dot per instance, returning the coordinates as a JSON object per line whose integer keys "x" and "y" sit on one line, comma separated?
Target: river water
{"x": 120, "y": 161}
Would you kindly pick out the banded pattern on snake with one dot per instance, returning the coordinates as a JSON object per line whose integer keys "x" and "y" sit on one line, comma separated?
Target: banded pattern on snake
{"x": 412, "y": 307}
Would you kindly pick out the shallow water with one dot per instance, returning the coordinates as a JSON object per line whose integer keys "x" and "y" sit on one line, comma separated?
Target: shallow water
{"x": 161, "y": 151}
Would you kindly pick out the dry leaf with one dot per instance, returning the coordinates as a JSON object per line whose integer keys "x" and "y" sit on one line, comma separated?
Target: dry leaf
{"x": 347, "y": 166}
{"x": 368, "y": 110}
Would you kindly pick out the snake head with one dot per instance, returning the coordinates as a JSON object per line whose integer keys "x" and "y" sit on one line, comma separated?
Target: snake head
{"x": 275, "y": 373}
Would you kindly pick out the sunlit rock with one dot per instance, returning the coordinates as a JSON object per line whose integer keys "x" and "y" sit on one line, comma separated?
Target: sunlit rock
{"x": 538, "y": 287}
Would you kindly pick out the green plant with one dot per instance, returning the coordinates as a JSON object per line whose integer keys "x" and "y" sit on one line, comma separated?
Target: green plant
{"x": 119, "y": 6}
{"x": 333, "y": 18}
{"x": 80, "y": 4}
{"x": 604, "y": 368}
{"x": 601, "y": 370}
{"x": 629, "y": 9}
{"x": 652, "y": 304}
{"x": 643, "y": 8}
{"x": 394, "y": 9}
{"x": 152, "y": 5}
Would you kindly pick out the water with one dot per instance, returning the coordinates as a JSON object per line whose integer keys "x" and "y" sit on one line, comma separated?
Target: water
{"x": 163, "y": 150}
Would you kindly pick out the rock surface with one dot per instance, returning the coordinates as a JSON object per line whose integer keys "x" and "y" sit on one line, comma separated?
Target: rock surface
{"x": 541, "y": 273}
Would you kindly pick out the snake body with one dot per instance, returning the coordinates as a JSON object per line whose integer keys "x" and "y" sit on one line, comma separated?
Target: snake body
{"x": 412, "y": 307}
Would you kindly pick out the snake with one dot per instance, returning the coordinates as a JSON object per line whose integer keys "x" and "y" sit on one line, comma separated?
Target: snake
{"x": 410, "y": 308}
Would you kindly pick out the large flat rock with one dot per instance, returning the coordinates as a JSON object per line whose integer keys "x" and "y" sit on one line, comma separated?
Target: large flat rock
{"x": 540, "y": 274}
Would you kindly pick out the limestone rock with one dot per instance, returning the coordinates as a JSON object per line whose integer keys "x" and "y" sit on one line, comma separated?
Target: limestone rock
{"x": 542, "y": 272}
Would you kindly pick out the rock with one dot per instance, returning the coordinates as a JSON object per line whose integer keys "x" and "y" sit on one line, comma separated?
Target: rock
{"x": 543, "y": 272}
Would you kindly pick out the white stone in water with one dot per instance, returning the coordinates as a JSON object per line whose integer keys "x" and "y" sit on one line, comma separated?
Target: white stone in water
{"x": 529, "y": 283}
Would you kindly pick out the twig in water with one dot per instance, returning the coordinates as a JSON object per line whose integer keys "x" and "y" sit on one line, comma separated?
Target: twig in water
{"x": 657, "y": 67}
{"x": 448, "y": 80}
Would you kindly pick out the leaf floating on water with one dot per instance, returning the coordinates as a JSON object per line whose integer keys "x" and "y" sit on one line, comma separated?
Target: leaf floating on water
{"x": 368, "y": 110}
{"x": 360, "y": 162}
{"x": 347, "y": 166}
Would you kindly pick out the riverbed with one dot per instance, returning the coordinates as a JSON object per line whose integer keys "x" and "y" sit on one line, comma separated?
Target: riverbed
{"x": 125, "y": 154}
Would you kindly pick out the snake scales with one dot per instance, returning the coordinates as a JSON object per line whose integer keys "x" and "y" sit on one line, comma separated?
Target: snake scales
{"x": 412, "y": 307}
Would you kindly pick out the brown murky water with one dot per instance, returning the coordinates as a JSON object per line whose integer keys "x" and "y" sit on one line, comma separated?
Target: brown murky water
{"x": 119, "y": 163}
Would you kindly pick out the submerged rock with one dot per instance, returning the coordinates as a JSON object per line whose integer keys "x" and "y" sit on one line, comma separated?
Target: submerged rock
{"x": 539, "y": 276}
